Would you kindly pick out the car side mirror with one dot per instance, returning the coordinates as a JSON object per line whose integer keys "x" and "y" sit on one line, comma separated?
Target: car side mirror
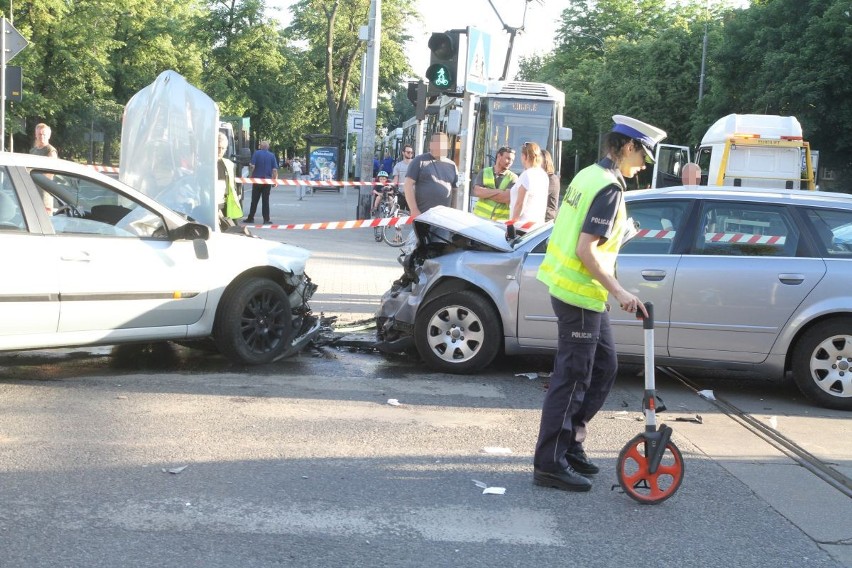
{"x": 191, "y": 232}
{"x": 511, "y": 233}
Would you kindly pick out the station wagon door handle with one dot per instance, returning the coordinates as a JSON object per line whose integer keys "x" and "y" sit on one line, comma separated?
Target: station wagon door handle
{"x": 653, "y": 275}
{"x": 792, "y": 279}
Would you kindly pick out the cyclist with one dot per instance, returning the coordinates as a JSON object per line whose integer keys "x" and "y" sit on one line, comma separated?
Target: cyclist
{"x": 379, "y": 190}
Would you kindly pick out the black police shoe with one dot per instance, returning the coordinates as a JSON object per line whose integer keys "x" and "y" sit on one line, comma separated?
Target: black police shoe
{"x": 581, "y": 463}
{"x": 567, "y": 480}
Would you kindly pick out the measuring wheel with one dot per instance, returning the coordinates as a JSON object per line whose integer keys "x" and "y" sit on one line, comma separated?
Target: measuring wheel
{"x": 650, "y": 467}
{"x": 634, "y": 466}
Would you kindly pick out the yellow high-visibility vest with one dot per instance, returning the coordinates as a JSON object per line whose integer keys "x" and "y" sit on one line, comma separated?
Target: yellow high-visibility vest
{"x": 561, "y": 270}
{"x": 488, "y": 208}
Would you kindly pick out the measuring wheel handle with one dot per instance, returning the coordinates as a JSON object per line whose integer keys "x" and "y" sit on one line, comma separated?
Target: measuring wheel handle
{"x": 650, "y": 466}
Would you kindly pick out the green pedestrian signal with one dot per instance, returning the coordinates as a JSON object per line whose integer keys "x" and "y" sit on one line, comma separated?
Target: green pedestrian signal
{"x": 440, "y": 76}
{"x": 443, "y": 65}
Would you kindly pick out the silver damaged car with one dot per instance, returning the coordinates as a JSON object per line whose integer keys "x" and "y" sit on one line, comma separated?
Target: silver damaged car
{"x": 741, "y": 279}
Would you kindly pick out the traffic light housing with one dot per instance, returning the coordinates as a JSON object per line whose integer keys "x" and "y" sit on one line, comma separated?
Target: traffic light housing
{"x": 417, "y": 96}
{"x": 444, "y": 62}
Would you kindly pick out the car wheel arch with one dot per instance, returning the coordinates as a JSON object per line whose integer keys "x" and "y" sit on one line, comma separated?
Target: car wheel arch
{"x": 267, "y": 272}
{"x": 819, "y": 384}
{"x": 796, "y": 340}
{"x": 450, "y": 285}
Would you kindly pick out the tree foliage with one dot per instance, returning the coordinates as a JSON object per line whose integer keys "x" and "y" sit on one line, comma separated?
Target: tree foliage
{"x": 643, "y": 58}
{"x": 333, "y": 53}
{"x": 86, "y": 58}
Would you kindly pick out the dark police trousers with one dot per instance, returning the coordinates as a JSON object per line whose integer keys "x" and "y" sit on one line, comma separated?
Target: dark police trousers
{"x": 260, "y": 192}
{"x": 583, "y": 374}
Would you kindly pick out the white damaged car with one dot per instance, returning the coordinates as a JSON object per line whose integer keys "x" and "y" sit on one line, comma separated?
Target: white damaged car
{"x": 89, "y": 260}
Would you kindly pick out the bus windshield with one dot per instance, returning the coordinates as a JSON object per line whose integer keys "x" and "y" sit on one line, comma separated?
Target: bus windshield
{"x": 511, "y": 122}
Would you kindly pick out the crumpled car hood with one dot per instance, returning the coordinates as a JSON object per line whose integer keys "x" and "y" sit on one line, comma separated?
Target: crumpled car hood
{"x": 468, "y": 225}
{"x": 256, "y": 251}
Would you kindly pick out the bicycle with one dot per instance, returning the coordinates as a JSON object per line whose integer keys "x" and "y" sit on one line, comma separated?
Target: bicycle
{"x": 389, "y": 207}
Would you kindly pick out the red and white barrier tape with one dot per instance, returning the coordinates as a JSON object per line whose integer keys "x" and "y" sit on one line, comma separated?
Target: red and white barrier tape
{"x": 746, "y": 239}
{"x": 737, "y": 238}
{"x": 329, "y": 183}
{"x": 107, "y": 169}
{"x": 656, "y": 233}
{"x": 357, "y": 224}
{"x": 269, "y": 181}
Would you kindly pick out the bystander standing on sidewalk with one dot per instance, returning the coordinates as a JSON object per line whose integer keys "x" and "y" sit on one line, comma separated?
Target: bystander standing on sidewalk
{"x": 431, "y": 177}
{"x": 42, "y": 147}
{"x": 491, "y": 187}
{"x": 553, "y": 189}
{"x": 263, "y": 165}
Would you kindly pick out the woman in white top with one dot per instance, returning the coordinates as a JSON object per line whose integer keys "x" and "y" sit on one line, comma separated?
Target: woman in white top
{"x": 528, "y": 197}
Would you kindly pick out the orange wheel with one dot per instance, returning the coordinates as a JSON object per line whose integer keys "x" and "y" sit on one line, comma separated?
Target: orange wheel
{"x": 638, "y": 483}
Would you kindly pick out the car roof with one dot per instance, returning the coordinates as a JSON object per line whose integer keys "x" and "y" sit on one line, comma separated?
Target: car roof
{"x": 793, "y": 196}
{"x": 21, "y": 160}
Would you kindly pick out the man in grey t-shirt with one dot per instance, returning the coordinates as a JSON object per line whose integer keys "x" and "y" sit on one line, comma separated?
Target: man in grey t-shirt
{"x": 401, "y": 167}
{"x": 431, "y": 177}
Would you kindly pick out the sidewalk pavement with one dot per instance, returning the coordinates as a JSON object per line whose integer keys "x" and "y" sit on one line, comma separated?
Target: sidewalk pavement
{"x": 351, "y": 269}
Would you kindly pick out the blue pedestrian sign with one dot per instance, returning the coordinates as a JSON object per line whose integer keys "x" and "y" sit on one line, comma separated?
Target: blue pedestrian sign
{"x": 478, "y": 61}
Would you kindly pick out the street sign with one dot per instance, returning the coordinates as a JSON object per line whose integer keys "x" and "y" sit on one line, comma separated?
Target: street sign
{"x": 478, "y": 61}
{"x": 355, "y": 120}
{"x": 15, "y": 42}
{"x": 14, "y": 83}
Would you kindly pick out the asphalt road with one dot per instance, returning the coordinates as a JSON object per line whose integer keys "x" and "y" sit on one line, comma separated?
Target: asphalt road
{"x": 174, "y": 457}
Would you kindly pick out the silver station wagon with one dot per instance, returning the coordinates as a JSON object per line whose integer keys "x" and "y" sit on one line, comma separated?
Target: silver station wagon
{"x": 741, "y": 279}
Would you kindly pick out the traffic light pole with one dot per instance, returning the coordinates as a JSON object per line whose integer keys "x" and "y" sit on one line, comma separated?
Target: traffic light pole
{"x": 420, "y": 113}
{"x": 462, "y": 200}
{"x": 371, "y": 88}
{"x": 3, "y": 85}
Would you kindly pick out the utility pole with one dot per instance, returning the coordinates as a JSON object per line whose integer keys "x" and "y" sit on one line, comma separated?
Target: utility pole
{"x": 703, "y": 61}
{"x": 3, "y": 85}
{"x": 371, "y": 88}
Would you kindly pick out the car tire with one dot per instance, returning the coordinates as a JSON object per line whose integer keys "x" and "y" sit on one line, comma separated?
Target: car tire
{"x": 822, "y": 364}
{"x": 254, "y": 322}
{"x": 459, "y": 333}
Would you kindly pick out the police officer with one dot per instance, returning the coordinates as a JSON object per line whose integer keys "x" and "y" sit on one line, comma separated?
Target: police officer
{"x": 579, "y": 270}
{"x": 490, "y": 187}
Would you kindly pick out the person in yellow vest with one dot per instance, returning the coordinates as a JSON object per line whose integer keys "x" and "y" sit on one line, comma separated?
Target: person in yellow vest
{"x": 228, "y": 199}
{"x": 579, "y": 271}
{"x": 491, "y": 187}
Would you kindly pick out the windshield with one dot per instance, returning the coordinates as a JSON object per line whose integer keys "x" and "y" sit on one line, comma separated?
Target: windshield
{"x": 511, "y": 122}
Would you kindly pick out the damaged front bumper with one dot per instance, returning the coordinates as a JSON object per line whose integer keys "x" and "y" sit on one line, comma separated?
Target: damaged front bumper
{"x": 396, "y": 316}
{"x": 309, "y": 325}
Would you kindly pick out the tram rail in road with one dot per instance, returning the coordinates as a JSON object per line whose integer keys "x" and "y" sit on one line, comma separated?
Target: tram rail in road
{"x": 794, "y": 451}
